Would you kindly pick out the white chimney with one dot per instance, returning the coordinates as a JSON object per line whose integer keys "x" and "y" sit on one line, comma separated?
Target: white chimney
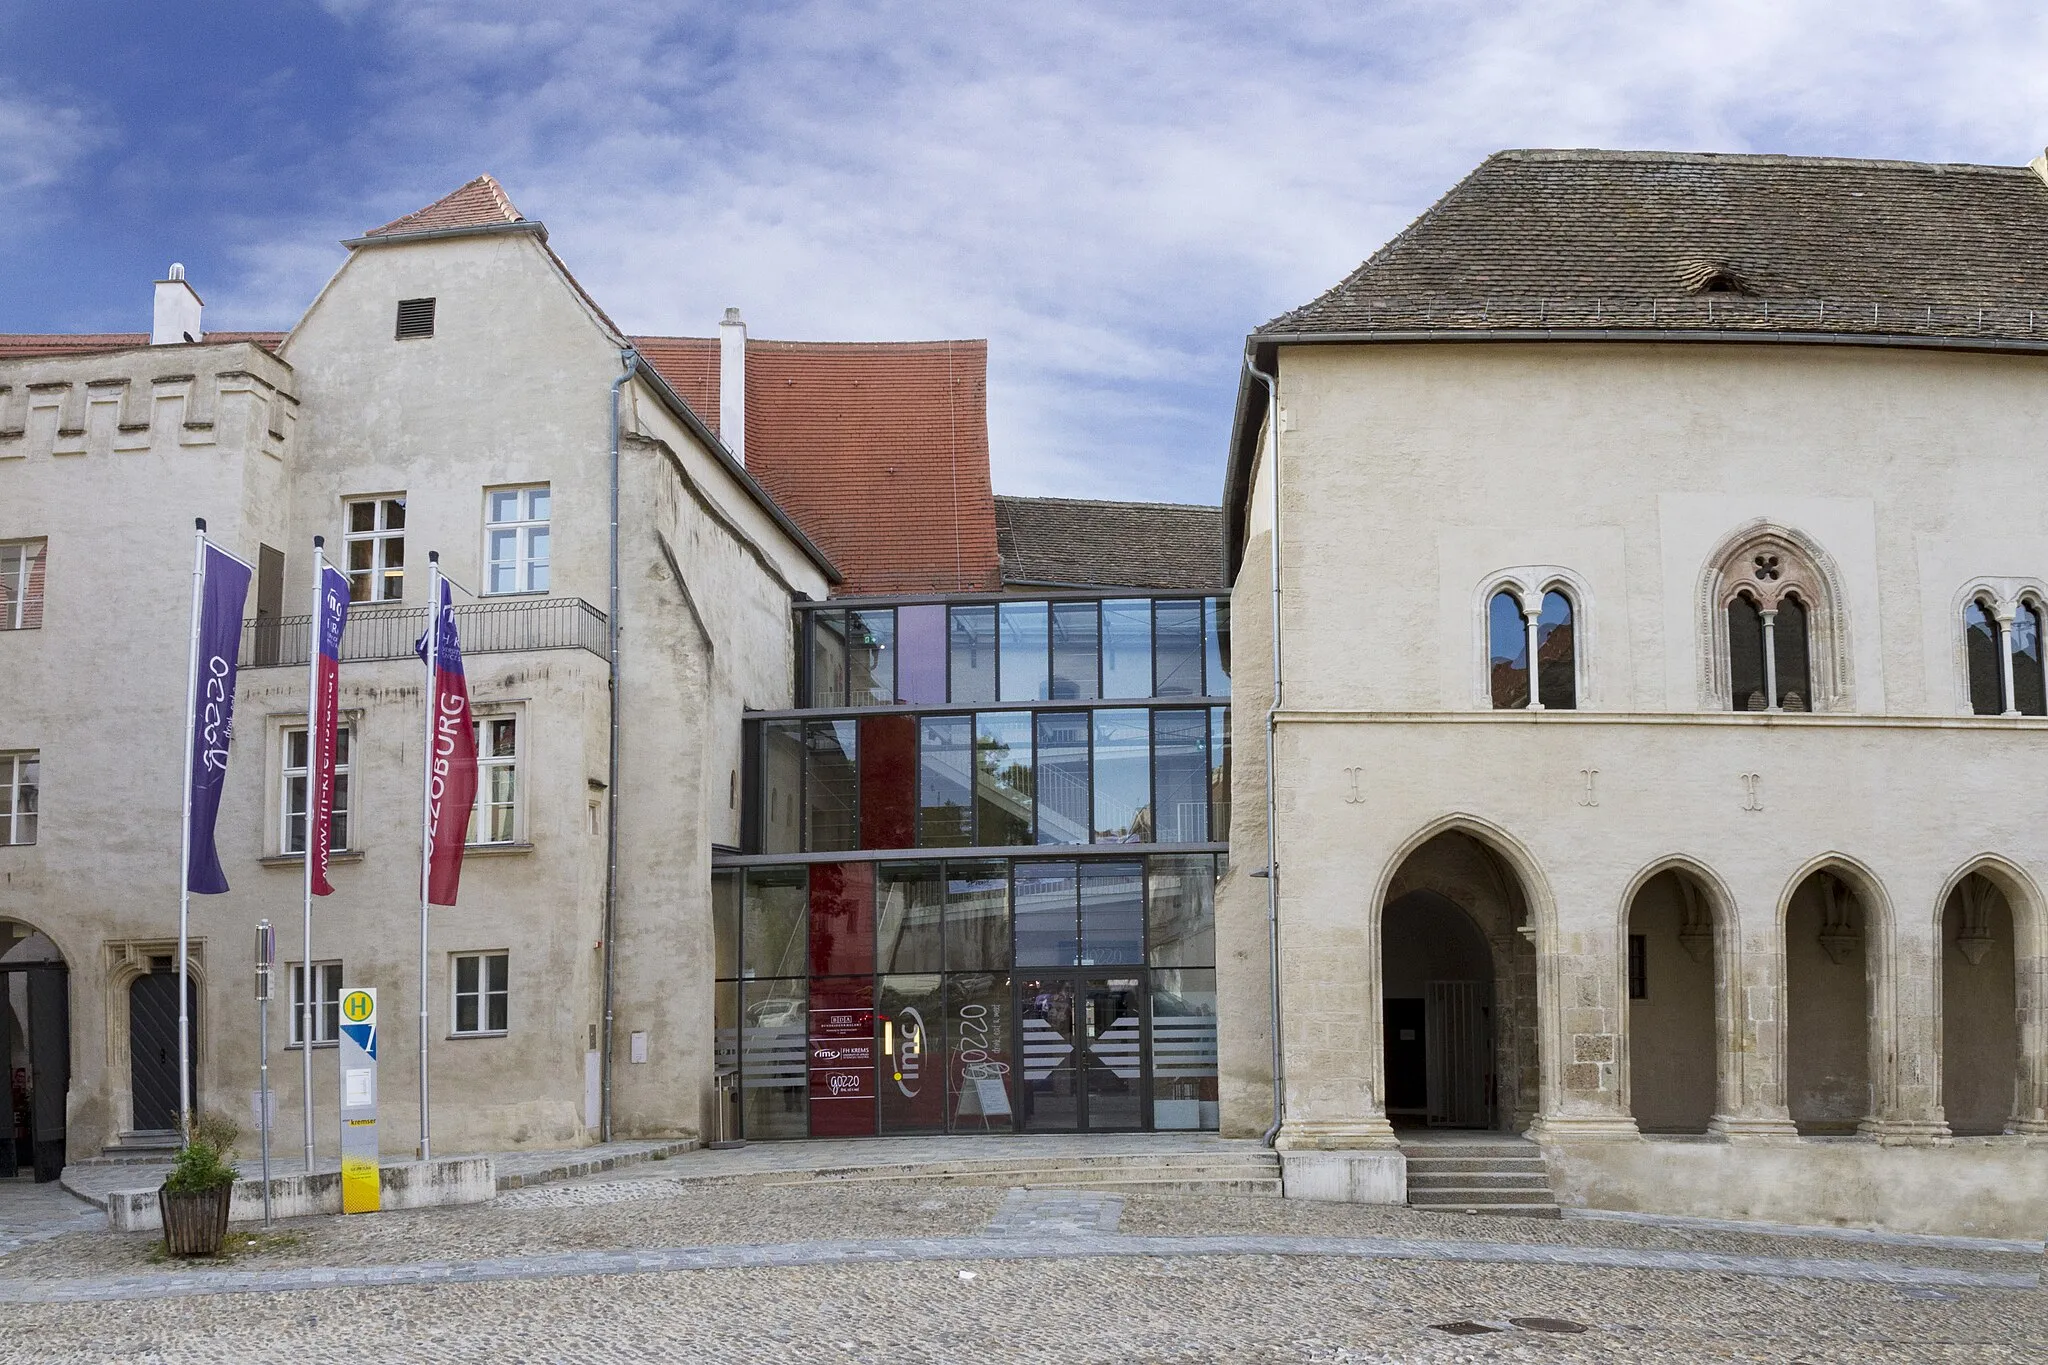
{"x": 732, "y": 384}
{"x": 177, "y": 311}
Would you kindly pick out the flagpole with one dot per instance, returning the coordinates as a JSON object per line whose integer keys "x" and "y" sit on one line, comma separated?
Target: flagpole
{"x": 185, "y": 843}
{"x": 306, "y": 990}
{"x": 426, "y": 825}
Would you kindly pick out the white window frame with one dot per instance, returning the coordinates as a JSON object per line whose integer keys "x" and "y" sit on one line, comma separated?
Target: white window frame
{"x": 482, "y": 994}
{"x": 486, "y": 766}
{"x": 18, "y": 560}
{"x": 327, "y": 983}
{"x": 380, "y": 538}
{"x": 529, "y": 571}
{"x": 21, "y": 772}
{"x": 344, "y": 791}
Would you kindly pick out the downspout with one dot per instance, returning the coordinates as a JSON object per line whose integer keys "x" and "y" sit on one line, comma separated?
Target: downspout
{"x": 1271, "y": 381}
{"x": 631, "y": 358}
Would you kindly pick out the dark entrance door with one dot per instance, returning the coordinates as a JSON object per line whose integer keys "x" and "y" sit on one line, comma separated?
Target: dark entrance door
{"x": 1081, "y": 1038}
{"x": 1407, "y": 1053}
{"x": 153, "y": 1048}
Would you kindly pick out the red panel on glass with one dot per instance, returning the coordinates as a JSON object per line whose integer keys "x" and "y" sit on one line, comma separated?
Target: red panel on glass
{"x": 888, "y": 781}
{"x": 921, "y": 654}
{"x": 842, "y": 919}
{"x": 842, "y": 1062}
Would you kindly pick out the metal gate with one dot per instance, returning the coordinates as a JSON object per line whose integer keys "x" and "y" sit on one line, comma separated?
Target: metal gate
{"x": 1460, "y": 1043}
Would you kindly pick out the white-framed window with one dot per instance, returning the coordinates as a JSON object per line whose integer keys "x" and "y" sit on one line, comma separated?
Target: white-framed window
{"x": 21, "y": 584}
{"x": 292, "y": 791}
{"x": 326, "y": 1003}
{"x": 482, "y": 993}
{"x": 375, "y": 546}
{"x": 516, "y": 539}
{"x": 20, "y": 785}
{"x": 495, "y": 817}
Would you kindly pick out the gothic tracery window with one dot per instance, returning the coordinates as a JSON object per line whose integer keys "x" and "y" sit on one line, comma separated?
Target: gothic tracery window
{"x": 1777, "y": 619}
{"x": 2003, "y": 651}
{"x": 1532, "y": 652}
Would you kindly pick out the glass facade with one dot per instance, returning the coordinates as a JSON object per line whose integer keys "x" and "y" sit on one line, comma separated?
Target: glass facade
{"x": 984, "y": 995}
{"x": 948, "y": 914}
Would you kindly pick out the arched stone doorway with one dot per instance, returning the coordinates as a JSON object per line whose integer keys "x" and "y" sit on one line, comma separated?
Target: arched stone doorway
{"x": 1980, "y": 1034}
{"x": 1673, "y": 982}
{"x": 1458, "y": 991}
{"x": 1831, "y": 960}
{"x": 35, "y": 1044}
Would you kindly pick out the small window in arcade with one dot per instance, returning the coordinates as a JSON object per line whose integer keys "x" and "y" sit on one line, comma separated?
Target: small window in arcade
{"x": 1509, "y": 633}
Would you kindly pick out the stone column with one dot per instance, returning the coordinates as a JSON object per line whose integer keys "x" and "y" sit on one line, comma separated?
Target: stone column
{"x": 1580, "y": 996}
{"x": 1905, "y": 1037}
{"x": 1753, "y": 1050}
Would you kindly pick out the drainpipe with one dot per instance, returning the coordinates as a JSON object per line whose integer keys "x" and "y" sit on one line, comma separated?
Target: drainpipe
{"x": 631, "y": 359}
{"x": 1272, "y": 873}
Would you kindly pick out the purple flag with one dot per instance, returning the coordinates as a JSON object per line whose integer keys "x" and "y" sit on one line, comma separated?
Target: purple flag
{"x": 225, "y": 588}
{"x": 320, "y": 739}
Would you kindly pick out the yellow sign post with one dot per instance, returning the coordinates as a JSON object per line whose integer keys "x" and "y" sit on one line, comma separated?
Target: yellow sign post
{"x": 360, "y": 1180}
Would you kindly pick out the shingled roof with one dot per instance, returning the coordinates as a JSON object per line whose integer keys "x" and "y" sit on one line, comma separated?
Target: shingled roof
{"x": 878, "y": 450}
{"x": 19, "y": 345}
{"x": 1564, "y": 240}
{"x": 1075, "y": 542}
{"x": 480, "y": 203}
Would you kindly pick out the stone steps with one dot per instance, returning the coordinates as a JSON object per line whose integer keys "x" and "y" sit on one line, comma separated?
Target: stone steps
{"x": 1492, "y": 1176}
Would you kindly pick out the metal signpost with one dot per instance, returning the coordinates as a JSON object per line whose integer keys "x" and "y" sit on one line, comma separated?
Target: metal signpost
{"x": 266, "y": 963}
{"x": 359, "y": 1171}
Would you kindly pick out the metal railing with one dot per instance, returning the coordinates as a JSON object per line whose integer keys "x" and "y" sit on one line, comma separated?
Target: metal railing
{"x": 389, "y": 632}
{"x": 1711, "y": 312}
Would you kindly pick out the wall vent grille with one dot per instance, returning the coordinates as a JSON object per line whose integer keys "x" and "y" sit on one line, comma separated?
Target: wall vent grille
{"x": 415, "y": 318}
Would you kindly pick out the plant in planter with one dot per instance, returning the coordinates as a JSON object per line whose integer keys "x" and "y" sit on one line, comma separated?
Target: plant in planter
{"x": 194, "y": 1199}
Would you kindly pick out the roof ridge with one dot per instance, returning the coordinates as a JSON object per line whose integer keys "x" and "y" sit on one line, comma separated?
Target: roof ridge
{"x": 1108, "y": 502}
{"x": 481, "y": 202}
{"x": 1743, "y": 159}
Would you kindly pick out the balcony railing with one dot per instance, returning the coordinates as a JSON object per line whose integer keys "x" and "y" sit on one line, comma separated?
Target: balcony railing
{"x": 389, "y": 632}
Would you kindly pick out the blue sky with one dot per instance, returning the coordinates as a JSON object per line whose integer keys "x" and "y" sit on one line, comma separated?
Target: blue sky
{"x": 1113, "y": 195}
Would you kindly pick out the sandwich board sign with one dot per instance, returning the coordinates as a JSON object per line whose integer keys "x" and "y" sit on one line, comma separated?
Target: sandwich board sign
{"x": 359, "y": 1173}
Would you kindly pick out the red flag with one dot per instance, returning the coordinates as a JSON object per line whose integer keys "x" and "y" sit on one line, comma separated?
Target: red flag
{"x": 320, "y": 742}
{"x": 451, "y": 756}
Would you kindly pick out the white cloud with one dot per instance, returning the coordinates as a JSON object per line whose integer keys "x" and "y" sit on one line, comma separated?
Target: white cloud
{"x": 1112, "y": 197}
{"x": 40, "y": 142}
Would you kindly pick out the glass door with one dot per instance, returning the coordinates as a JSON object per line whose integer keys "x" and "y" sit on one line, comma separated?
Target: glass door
{"x": 1082, "y": 1041}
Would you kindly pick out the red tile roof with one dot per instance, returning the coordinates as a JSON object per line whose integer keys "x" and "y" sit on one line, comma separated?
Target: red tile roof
{"x": 480, "y": 203}
{"x": 878, "y": 450}
{"x": 16, "y": 345}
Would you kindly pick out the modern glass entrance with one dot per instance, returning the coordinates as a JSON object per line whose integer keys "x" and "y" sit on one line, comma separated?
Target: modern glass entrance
{"x": 974, "y": 996}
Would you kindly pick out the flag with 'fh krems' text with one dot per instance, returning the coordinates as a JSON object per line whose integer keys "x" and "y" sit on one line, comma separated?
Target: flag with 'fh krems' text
{"x": 323, "y": 734}
{"x": 451, "y": 753}
{"x": 224, "y": 587}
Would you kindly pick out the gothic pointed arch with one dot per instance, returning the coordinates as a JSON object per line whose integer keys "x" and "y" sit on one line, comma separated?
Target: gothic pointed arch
{"x": 1767, "y": 572}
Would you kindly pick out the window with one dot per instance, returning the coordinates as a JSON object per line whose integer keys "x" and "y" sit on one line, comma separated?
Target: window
{"x": 1556, "y": 654}
{"x": 1987, "y": 670}
{"x": 21, "y": 584}
{"x": 18, "y": 793}
{"x": 1770, "y": 608}
{"x": 495, "y": 817}
{"x": 326, "y": 1003}
{"x": 415, "y": 318}
{"x": 375, "y": 542}
{"x": 1507, "y": 635}
{"x": 292, "y": 825}
{"x": 2004, "y": 657}
{"x": 1638, "y": 967}
{"x": 482, "y": 992}
{"x": 515, "y": 539}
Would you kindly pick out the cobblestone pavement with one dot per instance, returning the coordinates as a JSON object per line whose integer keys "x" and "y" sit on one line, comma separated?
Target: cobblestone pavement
{"x": 31, "y": 1212}
{"x": 639, "y": 1270}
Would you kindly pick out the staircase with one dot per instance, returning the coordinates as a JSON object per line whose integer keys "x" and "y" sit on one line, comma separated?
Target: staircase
{"x": 1252, "y": 1172}
{"x": 1478, "y": 1173}
{"x": 146, "y": 1145}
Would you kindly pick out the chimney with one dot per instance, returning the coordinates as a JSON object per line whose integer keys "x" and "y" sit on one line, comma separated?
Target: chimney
{"x": 732, "y": 384}
{"x": 177, "y": 310}
{"x": 2039, "y": 166}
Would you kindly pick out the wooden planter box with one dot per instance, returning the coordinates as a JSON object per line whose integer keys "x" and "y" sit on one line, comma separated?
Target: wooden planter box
{"x": 195, "y": 1224}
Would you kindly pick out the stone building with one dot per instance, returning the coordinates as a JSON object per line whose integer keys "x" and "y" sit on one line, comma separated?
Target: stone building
{"x": 1657, "y": 712}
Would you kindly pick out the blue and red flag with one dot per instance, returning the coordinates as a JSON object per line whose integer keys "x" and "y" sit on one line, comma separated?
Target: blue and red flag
{"x": 328, "y": 623}
{"x": 224, "y": 588}
{"x": 451, "y": 752}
